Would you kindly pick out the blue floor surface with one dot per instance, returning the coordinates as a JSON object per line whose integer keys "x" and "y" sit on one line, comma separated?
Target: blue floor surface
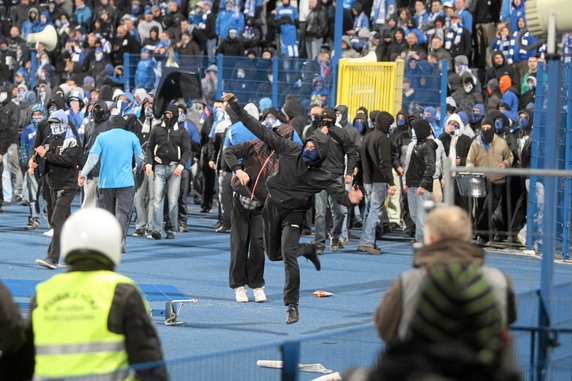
{"x": 197, "y": 263}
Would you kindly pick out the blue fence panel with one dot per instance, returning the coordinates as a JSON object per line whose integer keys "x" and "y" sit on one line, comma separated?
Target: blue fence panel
{"x": 252, "y": 79}
{"x": 422, "y": 87}
{"x": 539, "y": 146}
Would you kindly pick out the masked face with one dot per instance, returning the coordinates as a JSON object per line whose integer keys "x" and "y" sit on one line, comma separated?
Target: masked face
{"x": 270, "y": 122}
{"x": 477, "y": 116}
{"x": 310, "y": 155}
{"x": 181, "y": 116}
{"x": 97, "y": 112}
{"x": 531, "y": 85}
{"x": 58, "y": 128}
{"x": 400, "y": 122}
{"x": 428, "y": 117}
{"x": 219, "y": 114}
{"x": 487, "y": 135}
{"x": 232, "y": 34}
{"x": 198, "y": 108}
{"x": 36, "y": 120}
{"x": 52, "y": 109}
{"x": 359, "y": 126}
{"x": 498, "y": 124}
{"x": 523, "y": 121}
{"x": 98, "y": 56}
{"x": 148, "y": 112}
{"x": 338, "y": 118}
{"x": 240, "y": 74}
{"x": 121, "y": 106}
{"x": 468, "y": 87}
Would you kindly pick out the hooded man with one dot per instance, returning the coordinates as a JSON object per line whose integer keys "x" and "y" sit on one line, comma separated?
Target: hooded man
{"x": 300, "y": 175}
{"x": 62, "y": 155}
{"x": 467, "y": 96}
{"x": 116, "y": 150}
{"x": 166, "y": 154}
{"x": 98, "y": 124}
{"x": 509, "y": 95}
{"x": 419, "y": 172}
{"x": 490, "y": 150}
{"x": 430, "y": 115}
{"x": 340, "y": 161}
{"x": 477, "y": 115}
{"x": 400, "y": 139}
{"x": 376, "y": 161}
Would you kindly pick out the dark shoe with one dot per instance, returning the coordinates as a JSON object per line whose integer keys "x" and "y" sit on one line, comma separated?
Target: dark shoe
{"x": 373, "y": 250}
{"x": 216, "y": 226}
{"x": 409, "y": 232}
{"x": 313, "y": 257}
{"x": 394, "y": 226}
{"x": 33, "y": 224}
{"x": 138, "y": 233}
{"x": 170, "y": 235}
{"x": 292, "y": 316}
{"x": 205, "y": 210}
{"x": 320, "y": 249}
{"x": 25, "y": 203}
{"x": 155, "y": 234}
{"x": 334, "y": 247}
{"x": 17, "y": 199}
{"x": 6, "y": 203}
{"x": 357, "y": 224}
{"x": 47, "y": 263}
{"x": 223, "y": 229}
{"x": 123, "y": 248}
{"x": 183, "y": 229}
{"x": 480, "y": 241}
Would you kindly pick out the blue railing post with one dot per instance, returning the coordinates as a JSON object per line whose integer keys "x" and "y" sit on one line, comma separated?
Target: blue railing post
{"x": 34, "y": 69}
{"x": 219, "y": 83}
{"x": 551, "y": 148}
{"x": 127, "y": 72}
{"x": 290, "y": 359}
{"x": 568, "y": 166}
{"x": 275, "y": 81}
{"x": 444, "y": 84}
{"x": 531, "y": 228}
{"x": 335, "y": 60}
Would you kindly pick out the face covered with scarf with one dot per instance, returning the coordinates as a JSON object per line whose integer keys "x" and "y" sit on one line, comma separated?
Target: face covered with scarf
{"x": 487, "y": 133}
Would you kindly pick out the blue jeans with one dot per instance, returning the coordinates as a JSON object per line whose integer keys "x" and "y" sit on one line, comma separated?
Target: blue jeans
{"x": 143, "y": 204}
{"x": 165, "y": 183}
{"x": 375, "y": 195}
{"x": 321, "y": 202}
{"x": 417, "y": 210}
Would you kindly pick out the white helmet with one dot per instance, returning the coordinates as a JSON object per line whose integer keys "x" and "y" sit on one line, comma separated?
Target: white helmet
{"x": 92, "y": 231}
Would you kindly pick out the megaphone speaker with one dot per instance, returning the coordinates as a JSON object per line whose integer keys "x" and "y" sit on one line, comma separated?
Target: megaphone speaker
{"x": 48, "y": 37}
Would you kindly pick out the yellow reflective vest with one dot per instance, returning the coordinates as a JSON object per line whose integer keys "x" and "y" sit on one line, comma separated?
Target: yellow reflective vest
{"x": 70, "y": 323}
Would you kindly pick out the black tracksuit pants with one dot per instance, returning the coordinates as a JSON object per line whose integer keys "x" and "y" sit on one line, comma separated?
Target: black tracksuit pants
{"x": 61, "y": 202}
{"x": 282, "y": 229}
{"x": 246, "y": 246}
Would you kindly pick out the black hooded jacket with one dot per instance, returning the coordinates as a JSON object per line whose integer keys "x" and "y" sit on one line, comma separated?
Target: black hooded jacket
{"x": 92, "y": 130}
{"x": 376, "y": 152}
{"x": 422, "y": 162}
{"x": 169, "y": 144}
{"x": 400, "y": 138}
{"x": 504, "y": 132}
{"x": 9, "y": 118}
{"x": 296, "y": 181}
{"x": 497, "y": 71}
{"x": 295, "y": 111}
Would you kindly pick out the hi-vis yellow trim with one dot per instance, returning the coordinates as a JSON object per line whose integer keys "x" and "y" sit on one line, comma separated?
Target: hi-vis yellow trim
{"x": 375, "y": 85}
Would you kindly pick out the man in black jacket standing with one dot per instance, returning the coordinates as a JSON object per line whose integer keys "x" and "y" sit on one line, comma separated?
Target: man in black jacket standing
{"x": 340, "y": 146}
{"x": 167, "y": 151}
{"x": 300, "y": 175}
{"x": 419, "y": 173}
{"x": 62, "y": 154}
{"x": 377, "y": 176}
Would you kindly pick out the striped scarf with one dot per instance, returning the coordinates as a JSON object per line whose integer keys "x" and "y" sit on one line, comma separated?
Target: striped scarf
{"x": 453, "y": 37}
{"x": 378, "y": 12}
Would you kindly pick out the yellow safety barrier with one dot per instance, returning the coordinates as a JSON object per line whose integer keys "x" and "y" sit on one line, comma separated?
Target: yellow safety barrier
{"x": 374, "y": 85}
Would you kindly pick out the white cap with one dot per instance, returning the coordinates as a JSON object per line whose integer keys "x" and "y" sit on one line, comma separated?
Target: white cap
{"x": 92, "y": 232}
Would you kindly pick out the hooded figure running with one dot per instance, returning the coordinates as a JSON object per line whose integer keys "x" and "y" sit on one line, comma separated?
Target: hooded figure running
{"x": 290, "y": 192}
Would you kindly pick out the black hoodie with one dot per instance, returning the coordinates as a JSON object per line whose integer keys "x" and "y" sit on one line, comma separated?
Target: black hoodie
{"x": 9, "y": 118}
{"x": 296, "y": 181}
{"x": 400, "y": 138}
{"x": 375, "y": 153}
{"x": 168, "y": 143}
{"x": 422, "y": 162}
{"x": 504, "y": 132}
{"x": 92, "y": 129}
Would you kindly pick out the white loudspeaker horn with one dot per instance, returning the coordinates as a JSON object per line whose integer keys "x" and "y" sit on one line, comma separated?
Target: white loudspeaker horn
{"x": 48, "y": 37}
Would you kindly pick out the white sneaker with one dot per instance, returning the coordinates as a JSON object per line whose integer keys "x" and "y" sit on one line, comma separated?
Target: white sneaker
{"x": 241, "y": 296}
{"x": 259, "y": 295}
{"x": 49, "y": 233}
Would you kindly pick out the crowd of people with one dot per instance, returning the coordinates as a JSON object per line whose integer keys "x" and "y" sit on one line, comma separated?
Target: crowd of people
{"x": 78, "y": 118}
